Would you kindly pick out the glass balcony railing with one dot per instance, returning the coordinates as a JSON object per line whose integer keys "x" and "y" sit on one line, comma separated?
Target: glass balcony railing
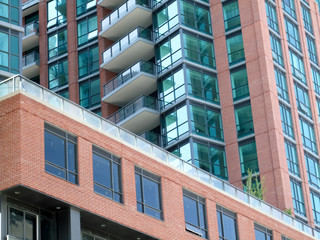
{"x": 30, "y": 58}
{"x": 133, "y": 107}
{"x": 19, "y": 83}
{"x": 122, "y": 11}
{"x": 152, "y": 137}
{"x": 125, "y": 76}
{"x": 31, "y": 28}
{"x": 125, "y": 42}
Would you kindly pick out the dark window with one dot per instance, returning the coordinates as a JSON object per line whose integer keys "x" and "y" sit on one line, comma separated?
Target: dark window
{"x": 61, "y": 153}
{"x": 90, "y": 93}
{"x": 58, "y": 43}
{"x": 88, "y": 61}
{"x": 57, "y": 12}
{"x": 107, "y": 174}
{"x": 297, "y": 197}
{"x": 231, "y": 15}
{"x": 195, "y": 214}
{"x": 148, "y": 191}
{"x": 227, "y": 224}
{"x": 84, "y": 6}
{"x": 262, "y": 233}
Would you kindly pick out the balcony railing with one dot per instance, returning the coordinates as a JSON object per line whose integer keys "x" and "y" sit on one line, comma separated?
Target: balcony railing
{"x": 125, "y": 76}
{"x": 31, "y": 28}
{"x": 30, "y": 58}
{"x": 152, "y": 137}
{"x": 133, "y": 107}
{"x": 125, "y": 42}
{"x": 19, "y": 83}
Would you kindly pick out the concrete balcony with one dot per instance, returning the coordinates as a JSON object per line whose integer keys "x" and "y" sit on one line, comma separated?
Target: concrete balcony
{"x": 110, "y": 4}
{"x": 137, "y": 45}
{"x": 123, "y": 19}
{"x": 30, "y": 68}
{"x": 140, "y": 79}
{"x": 31, "y": 36}
{"x": 30, "y": 7}
{"x": 138, "y": 116}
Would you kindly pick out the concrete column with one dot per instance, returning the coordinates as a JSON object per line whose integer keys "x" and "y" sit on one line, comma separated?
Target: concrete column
{"x": 75, "y": 226}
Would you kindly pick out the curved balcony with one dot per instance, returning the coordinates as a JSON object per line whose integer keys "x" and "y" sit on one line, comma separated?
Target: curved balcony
{"x": 129, "y": 15}
{"x": 140, "y": 115}
{"x": 137, "y": 45}
{"x": 140, "y": 79}
{"x": 31, "y": 36}
{"x": 31, "y": 67}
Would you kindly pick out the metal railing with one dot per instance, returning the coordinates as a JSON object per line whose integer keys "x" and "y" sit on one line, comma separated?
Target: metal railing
{"x": 31, "y": 28}
{"x": 128, "y": 74}
{"x": 19, "y": 83}
{"x": 126, "y": 41}
{"x": 30, "y": 58}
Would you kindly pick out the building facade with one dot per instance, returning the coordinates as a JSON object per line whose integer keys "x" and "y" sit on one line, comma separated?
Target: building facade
{"x": 225, "y": 85}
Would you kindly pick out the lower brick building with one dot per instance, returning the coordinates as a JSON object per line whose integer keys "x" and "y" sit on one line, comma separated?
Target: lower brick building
{"x": 68, "y": 174}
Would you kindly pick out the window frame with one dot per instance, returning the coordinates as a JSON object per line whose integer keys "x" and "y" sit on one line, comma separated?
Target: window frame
{"x": 86, "y": 20}
{"x": 57, "y": 49}
{"x": 267, "y": 232}
{"x": 225, "y": 212}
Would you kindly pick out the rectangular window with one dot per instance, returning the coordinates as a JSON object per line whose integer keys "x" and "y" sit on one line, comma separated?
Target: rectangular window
{"x": 22, "y": 224}
{"x": 276, "y": 49}
{"x": 292, "y": 158}
{"x": 61, "y": 153}
{"x": 313, "y": 170}
{"x": 286, "y": 120}
{"x": 84, "y": 6}
{"x": 281, "y": 85}
{"x": 292, "y": 34}
{"x": 148, "y": 191}
{"x": 227, "y": 224}
{"x": 288, "y": 7}
{"x": 312, "y": 50}
{"x": 235, "y": 49}
{"x": 285, "y": 238}
{"x": 57, "y": 12}
{"x": 318, "y": 107}
{"x": 63, "y": 93}
{"x": 9, "y": 51}
{"x": 9, "y": 11}
{"x": 244, "y": 122}
{"x": 315, "y": 201}
{"x": 297, "y": 67}
{"x": 89, "y": 93}
{"x": 107, "y": 174}
{"x": 88, "y": 61}
{"x": 248, "y": 158}
{"x": 195, "y": 214}
{"x": 303, "y": 102}
{"x": 272, "y": 16}
{"x": 231, "y": 15}
{"x": 165, "y": 19}
{"x": 58, "y": 74}
{"x": 87, "y": 30}
{"x": 307, "y": 19}
{"x": 262, "y": 233}
{"x": 58, "y": 44}
{"x": 297, "y": 197}
{"x": 307, "y": 134}
{"x": 316, "y": 80}
{"x": 239, "y": 84}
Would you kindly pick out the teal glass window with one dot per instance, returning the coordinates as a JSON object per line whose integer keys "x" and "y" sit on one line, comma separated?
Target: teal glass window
{"x": 87, "y": 30}
{"x": 316, "y": 79}
{"x": 289, "y": 7}
{"x": 166, "y": 18}
{"x": 292, "y": 34}
{"x": 297, "y": 67}
{"x": 202, "y": 85}
{"x": 308, "y": 137}
{"x": 58, "y": 43}
{"x": 57, "y": 12}
{"x": 231, "y": 15}
{"x": 318, "y": 107}
{"x": 307, "y": 19}
{"x": 183, "y": 151}
{"x": 9, "y": 11}
{"x": 84, "y": 6}
{"x": 227, "y": 224}
{"x": 244, "y": 122}
{"x": 199, "y": 50}
{"x": 9, "y": 52}
{"x": 88, "y": 61}
{"x": 58, "y": 74}
{"x": 64, "y": 93}
{"x": 262, "y": 233}
{"x": 196, "y": 17}
{"x": 303, "y": 102}
{"x": 205, "y": 122}
{"x": 315, "y": 201}
{"x": 171, "y": 88}
{"x": 297, "y": 197}
{"x": 312, "y": 50}
{"x": 235, "y": 49}
{"x": 286, "y": 120}
{"x": 281, "y": 85}
{"x": 276, "y": 49}
{"x": 89, "y": 93}
{"x": 97, "y": 111}
{"x": 239, "y": 84}
{"x": 272, "y": 16}
{"x": 313, "y": 170}
{"x": 292, "y": 158}
{"x": 248, "y": 158}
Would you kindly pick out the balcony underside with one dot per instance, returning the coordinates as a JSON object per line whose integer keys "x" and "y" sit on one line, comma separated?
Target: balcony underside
{"x": 139, "y": 16}
{"x": 30, "y": 41}
{"x": 143, "y": 120}
{"x": 31, "y": 70}
{"x": 140, "y": 50}
{"x": 30, "y": 8}
{"x": 143, "y": 84}
{"x": 110, "y": 4}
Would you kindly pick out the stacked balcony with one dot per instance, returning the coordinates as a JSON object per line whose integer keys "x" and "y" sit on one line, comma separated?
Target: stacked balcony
{"x": 30, "y": 7}
{"x": 31, "y": 36}
{"x": 30, "y": 67}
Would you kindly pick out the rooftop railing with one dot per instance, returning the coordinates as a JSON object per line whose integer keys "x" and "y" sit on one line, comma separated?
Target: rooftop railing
{"x": 19, "y": 83}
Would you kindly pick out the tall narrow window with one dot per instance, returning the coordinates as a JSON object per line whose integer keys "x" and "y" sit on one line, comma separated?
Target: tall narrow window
{"x": 58, "y": 74}
{"x": 61, "y": 153}
{"x": 297, "y": 197}
{"x": 227, "y": 224}
{"x": 292, "y": 158}
{"x": 303, "y": 102}
{"x": 313, "y": 170}
{"x": 288, "y": 7}
{"x": 316, "y": 79}
{"x": 248, "y": 158}
{"x": 88, "y": 61}
{"x": 281, "y": 84}
{"x": 244, "y": 122}
{"x": 312, "y": 50}
{"x": 297, "y": 67}
{"x": 195, "y": 214}
{"x": 58, "y": 44}
{"x": 231, "y": 15}
{"x": 262, "y": 233}
{"x": 292, "y": 34}
{"x": 286, "y": 120}
{"x": 89, "y": 93}
{"x": 57, "y": 12}
{"x": 308, "y": 137}
{"x": 235, "y": 49}
{"x": 276, "y": 49}
{"x": 239, "y": 84}
{"x": 307, "y": 19}
{"x": 148, "y": 191}
{"x": 272, "y": 17}
{"x": 87, "y": 30}
{"x": 315, "y": 201}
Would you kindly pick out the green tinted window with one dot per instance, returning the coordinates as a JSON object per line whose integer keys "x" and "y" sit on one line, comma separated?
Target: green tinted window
{"x": 248, "y": 158}
{"x": 58, "y": 74}
{"x": 90, "y": 93}
{"x": 231, "y": 15}
{"x": 58, "y": 43}
{"x": 235, "y": 49}
{"x": 88, "y": 61}
{"x": 244, "y": 121}
{"x": 87, "y": 30}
